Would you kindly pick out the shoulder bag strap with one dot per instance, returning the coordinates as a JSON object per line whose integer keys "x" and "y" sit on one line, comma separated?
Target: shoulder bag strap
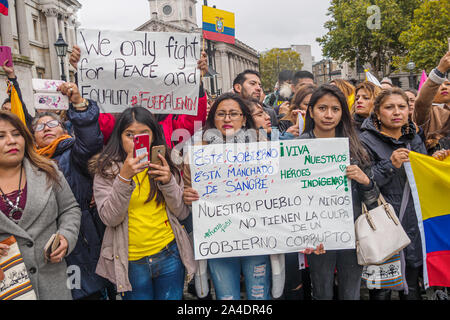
{"x": 405, "y": 197}
{"x": 405, "y": 200}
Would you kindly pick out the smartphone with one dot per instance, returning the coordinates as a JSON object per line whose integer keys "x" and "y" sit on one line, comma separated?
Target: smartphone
{"x": 141, "y": 146}
{"x": 156, "y": 150}
{"x": 5, "y": 54}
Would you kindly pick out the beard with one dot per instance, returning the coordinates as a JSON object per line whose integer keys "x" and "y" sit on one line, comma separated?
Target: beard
{"x": 286, "y": 91}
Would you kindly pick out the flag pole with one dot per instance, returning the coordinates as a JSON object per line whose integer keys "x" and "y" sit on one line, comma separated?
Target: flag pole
{"x": 210, "y": 58}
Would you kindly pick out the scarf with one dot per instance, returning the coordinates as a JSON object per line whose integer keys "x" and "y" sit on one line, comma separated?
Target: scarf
{"x": 49, "y": 150}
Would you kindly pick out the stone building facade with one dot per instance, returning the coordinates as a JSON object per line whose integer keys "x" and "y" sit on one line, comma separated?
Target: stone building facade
{"x": 31, "y": 29}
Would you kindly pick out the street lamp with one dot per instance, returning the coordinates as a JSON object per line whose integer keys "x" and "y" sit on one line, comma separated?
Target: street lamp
{"x": 411, "y": 66}
{"x": 61, "y": 51}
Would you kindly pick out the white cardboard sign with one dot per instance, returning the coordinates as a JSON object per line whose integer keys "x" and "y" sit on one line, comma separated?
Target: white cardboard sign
{"x": 156, "y": 70}
{"x": 271, "y": 197}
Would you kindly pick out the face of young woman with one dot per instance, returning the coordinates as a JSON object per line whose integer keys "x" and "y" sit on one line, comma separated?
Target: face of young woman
{"x": 12, "y": 145}
{"x": 394, "y": 112}
{"x": 363, "y": 103}
{"x": 134, "y": 129}
{"x": 326, "y": 113}
{"x": 47, "y": 135}
{"x": 228, "y": 118}
{"x": 262, "y": 119}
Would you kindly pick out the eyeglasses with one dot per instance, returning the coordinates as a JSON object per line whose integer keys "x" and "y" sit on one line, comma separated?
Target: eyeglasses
{"x": 233, "y": 115}
{"x": 50, "y": 124}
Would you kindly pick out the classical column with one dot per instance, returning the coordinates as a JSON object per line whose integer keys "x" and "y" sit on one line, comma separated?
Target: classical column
{"x": 71, "y": 32}
{"x": 22, "y": 28}
{"x": 6, "y": 31}
{"x": 226, "y": 85}
{"x": 52, "y": 29}
{"x": 231, "y": 64}
{"x": 61, "y": 26}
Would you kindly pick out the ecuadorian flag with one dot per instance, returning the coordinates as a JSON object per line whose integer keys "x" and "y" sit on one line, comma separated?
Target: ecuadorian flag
{"x": 16, "y": 104}
{"x": 4, "y": 7}
{"x": 218, "y": 25}
{"x": 430, "y": 186}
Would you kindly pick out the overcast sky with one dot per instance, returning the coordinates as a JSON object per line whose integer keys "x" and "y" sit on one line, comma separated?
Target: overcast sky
{"x": 261, "y": 24}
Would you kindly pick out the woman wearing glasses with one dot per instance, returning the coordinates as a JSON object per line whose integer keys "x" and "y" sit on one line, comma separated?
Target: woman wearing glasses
{"x": 230, "y": 121}
{"x": 72, "y": 155}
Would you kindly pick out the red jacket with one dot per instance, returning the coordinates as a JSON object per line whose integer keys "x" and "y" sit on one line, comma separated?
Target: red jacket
{"x": 173, "y": 122}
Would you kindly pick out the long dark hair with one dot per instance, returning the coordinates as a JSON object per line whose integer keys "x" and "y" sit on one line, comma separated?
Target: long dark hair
{"x": 114, "y": 152}
{"x": 345, "y": 128}
{"x": 38, "y": 161}
{"x": 249, "y": 124}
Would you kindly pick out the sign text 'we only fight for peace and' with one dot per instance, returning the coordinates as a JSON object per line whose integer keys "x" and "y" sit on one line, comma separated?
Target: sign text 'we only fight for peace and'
{"x": 271, "y": 197}
{"x": 122, "y": 69}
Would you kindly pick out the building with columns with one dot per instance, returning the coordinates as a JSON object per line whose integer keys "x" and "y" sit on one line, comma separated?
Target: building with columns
{"x": 31, "y": 29}
{"x": 180, "y": 16}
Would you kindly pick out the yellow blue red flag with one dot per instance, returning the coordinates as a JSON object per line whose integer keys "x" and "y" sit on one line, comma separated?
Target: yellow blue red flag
{"x": 430, "y": 187}
{"x": 218, "y": 25}
{"x": 16, "y": 104}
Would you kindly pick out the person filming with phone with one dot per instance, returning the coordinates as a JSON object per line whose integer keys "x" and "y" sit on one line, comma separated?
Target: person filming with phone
{"x": 139, "y": 194}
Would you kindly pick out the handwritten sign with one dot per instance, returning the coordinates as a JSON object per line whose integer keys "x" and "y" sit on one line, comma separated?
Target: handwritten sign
{"x": 157, "y": 70}
{"x": 271, "y": 197}
{"x": 47, "y": 96}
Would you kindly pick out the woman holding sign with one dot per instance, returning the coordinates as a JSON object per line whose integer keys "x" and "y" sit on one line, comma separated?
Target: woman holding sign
{"x": 230, "y": 121}
{"x": 328, "y": 116}
{"x": 389, "y": 136}
{"x": 145, "y": 249}
{"x": 72, "y": 156}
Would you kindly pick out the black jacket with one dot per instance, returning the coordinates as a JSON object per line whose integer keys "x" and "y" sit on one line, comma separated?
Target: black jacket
{"x": 72, "y": 156}
{"x": 367, "y": 194}
{"x": 358, "y": 121}
{"x": 391, "y": 180}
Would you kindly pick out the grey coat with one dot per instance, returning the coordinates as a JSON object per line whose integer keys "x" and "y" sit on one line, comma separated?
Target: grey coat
{"x": 47, "y": 210}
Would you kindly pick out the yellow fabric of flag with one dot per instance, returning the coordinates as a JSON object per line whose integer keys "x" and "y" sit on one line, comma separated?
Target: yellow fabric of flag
{"x": 433, "y": 184}
{"x": 16, "y": 104}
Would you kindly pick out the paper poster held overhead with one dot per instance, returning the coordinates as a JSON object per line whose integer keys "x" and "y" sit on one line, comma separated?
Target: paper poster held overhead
{"x": 155, "y": 70}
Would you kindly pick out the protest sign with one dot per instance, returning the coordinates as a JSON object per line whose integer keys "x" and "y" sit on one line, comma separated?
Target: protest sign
{"x": 47, "y": 96}
{"x": 271, "y": 197}
{"x": 155, "y": 70}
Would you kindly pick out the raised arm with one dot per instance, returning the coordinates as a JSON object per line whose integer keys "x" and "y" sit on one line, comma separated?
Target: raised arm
{"x": 83, "y": 114}
{"x": 13, "y": 78}
{"x": 427, "y": 94}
